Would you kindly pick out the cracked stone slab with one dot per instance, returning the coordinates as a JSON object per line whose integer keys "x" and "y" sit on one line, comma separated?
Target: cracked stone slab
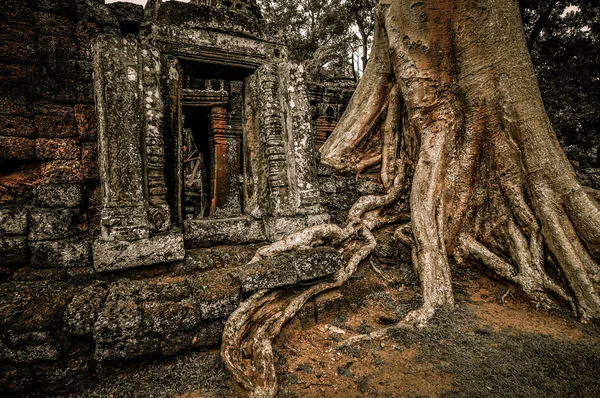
{"x": 234, "y": 231}
{"x": 112, "y": 256}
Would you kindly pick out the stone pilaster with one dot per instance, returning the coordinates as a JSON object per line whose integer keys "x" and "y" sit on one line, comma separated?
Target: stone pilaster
{"x": 159, "y": 215}
{"x": 226, "y": 140}
{"x": 274, "y": 141}
{"x": 117, "y": 86}
{"x": 131, "y": 157}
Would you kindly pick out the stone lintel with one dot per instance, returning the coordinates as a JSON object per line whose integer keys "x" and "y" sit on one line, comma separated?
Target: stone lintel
{"x": 213, "y": 232}
{"x": 112, "y": 256}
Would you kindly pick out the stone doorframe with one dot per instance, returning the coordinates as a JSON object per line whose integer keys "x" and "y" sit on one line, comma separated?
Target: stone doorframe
{"x": 138, "y": 102}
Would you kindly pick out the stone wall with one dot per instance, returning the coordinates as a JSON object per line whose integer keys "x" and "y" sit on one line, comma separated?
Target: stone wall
{"x": 60, "y": 317}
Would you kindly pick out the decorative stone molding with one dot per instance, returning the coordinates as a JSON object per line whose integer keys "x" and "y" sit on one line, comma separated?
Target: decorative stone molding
{"x": 129, "y": 110}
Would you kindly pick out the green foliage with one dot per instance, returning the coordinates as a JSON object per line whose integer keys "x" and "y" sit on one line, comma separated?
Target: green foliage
{"x": 324, "y": 35}
{"x": 565, "y": 49}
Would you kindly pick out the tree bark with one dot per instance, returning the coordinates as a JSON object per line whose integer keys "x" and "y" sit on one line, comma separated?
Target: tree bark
{"x": 450, "y": 108}
{"x": 491, "y": 183}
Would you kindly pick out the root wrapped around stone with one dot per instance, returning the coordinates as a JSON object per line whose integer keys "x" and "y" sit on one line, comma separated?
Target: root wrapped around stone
{"x": 450, "y": 100}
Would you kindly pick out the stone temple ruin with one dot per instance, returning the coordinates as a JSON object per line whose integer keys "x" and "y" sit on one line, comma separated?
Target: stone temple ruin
{"x": 145, "y": 154}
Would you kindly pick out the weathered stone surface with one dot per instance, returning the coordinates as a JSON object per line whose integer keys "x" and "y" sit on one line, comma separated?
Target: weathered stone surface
{"x": 62, "y": 171}
{"x": 71, "y": 69}
{"x": 278, "y": 227}
{"x": 208, "y": 334}
{"x": 13, "y": 221}
{"x": 115, "y": 255}
{"x": 16, "y": 126}
{"x": 206, "y": 232}
{"x": 291, "y": 268}
{"x": 81, "y": 312}
{"x": 60, "y": 7}
{"x": 32, "y": 334}
{"x": 89, "y": 160}
{"x": 57, "y": 47}
{"x": 199, "y": 259}
{"x": 53, "y": 25}
{"x": 316, "y": 263}
{"x": 196, "y": 17}
{"x": 64, "y": 253}
{"x": 51, "y": 126}
{"x": 68, "y": 90}
{"x": 216, "y": 293}
{"x": 85, "y": 119}
{"x": 296, "y": 107}
{"x": 58, "y": 195}
{"x": 118, "y": 89}
{"x": 54, "y": 223}
{"x": 57, "y": 148}
{"x": 13, "y": 249}
{"x": 16, "y": 148}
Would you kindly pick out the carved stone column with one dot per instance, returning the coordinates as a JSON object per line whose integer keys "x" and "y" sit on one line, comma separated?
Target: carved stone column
{"x": 117, "y": 90}
{"x": 225, "y": 139}
{"x": 129, "y": 111}
{"x": 281, "y": 138}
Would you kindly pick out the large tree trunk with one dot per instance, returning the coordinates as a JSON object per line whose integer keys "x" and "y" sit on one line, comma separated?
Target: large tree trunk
{"x": 491, "y": 183}
{"x": 450, "y": 108}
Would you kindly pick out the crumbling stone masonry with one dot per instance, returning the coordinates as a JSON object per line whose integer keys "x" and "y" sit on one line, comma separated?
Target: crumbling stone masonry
{"x": 145, "y": 154}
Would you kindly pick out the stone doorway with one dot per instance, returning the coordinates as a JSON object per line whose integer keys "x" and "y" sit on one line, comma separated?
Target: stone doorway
{"x": 211, "y": 141}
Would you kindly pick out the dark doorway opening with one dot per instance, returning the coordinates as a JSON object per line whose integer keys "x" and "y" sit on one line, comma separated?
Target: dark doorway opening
{"x": 196, "y": 162}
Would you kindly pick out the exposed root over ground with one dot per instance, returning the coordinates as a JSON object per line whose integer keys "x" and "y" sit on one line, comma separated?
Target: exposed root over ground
{"x": 450, "y": 109}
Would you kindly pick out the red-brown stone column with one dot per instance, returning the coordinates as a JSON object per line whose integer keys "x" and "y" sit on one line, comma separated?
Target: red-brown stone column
{"x": 225, "y": 140}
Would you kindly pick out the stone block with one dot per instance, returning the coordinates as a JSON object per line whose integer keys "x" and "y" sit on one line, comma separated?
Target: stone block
{"x": 233, "y": 256}
{"x": 208, "y": 334}
{"x": 57, "y": 148}
{"x": 60, "y": 7}
{"x": 64, "y": 253}
{"x": 32, "y": 336}
{"x": 16, "y": 148}
{"x": 288, "y": 269}
{"x": 316, "y": 263}
{"x": 80, "y": 315}
{"x": 53, "y": 25}
{"x": 52, "y": 126}
{"x": 16, "y": 126}
{"x": 216, "y": 293}
{"x": 58, "y": 195}
{"x": 49, "y": 108}
{"x": 68, "y": 90}
{"x": 54, "y": 223}
{"x": 13, "y": 221}
{"x": 199, "y": 260}
{"x": 120, "y": 317}
{"x": 116, "y": 255}
{"x": 71, "y": 69}
{"x": 268, "y": 274}
{"x": 57, "y": 47}
{"x": 89, "y": 159}
{"x": 206, "y": 232}
{"x": 127, "y": 349}
{"x": 278, "y": 227}
{"x": 85, "y": 118}
{"x": 13, "y": 249}
{"x": 324, "y": 170}
{"x": 168, "y": 317}
{"x": 62, "y": 171}
{"x": 17, "y": 52}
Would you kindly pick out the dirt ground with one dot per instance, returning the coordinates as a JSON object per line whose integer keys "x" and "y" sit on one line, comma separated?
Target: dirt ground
{"x": 493, "y": 344}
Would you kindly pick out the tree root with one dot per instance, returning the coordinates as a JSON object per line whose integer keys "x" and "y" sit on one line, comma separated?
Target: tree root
{"x": 247, "y": 339}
